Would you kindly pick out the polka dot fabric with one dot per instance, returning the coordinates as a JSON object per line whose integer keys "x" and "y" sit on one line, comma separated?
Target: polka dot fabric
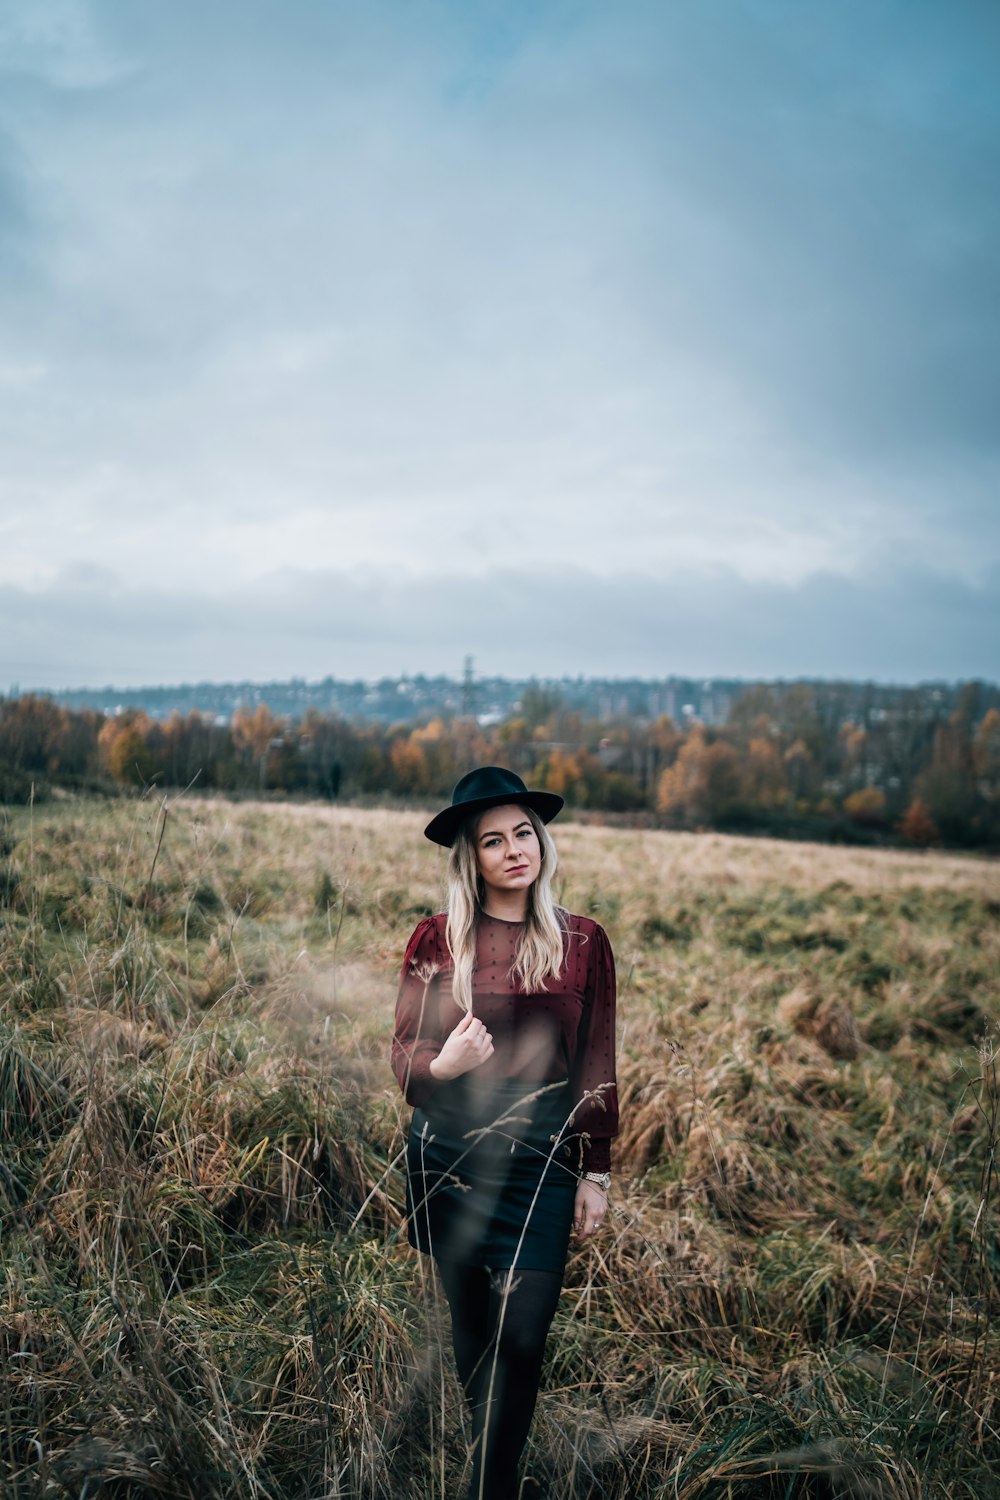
{"x": 568, "y": 1029}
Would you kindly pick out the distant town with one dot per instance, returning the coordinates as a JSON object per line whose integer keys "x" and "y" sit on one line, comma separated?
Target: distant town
{"x": 491, "y": 700}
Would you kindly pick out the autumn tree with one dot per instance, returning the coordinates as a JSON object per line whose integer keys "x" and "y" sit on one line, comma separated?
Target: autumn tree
{"x": 661, "y": 744}
{"x": 764, "y": 783}
{"x": 439, "y": 743}
{"x": 917, "y": 826}
{"x": 124, "y": 753}
{"x": 986, "y": 754}
{"x": 374, "y": 769}
{"x": 753, "y": 712}
{"x": 33, "y": 733}
{"x": 800, "y": 719}
{"x": 253, "y": 735}
{"x": 329, "y": 751}
{"x": 800, "y": 771}
{"x": 409, "y": 765}
{"x": 703, "y": 784}
{"x": 558, "y": 772}
{"x": 866, "y": 806}
{"x": 947, "y": 786}
{"x": 852, "y": 741}
{"x": 514, "y": 742}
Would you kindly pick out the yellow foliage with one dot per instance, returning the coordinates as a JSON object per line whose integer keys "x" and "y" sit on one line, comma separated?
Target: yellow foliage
{"x": 764, "y": 774}
{"x": 559, "y": 773}
{"x": 866, "y": 805}
{"x": 254, "y": 731}
{"x": 124, "y": 752}
{"x": 409, "y": 762}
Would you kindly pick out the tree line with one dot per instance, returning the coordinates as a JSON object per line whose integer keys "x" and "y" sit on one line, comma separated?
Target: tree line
{"x": 783, "y": 763}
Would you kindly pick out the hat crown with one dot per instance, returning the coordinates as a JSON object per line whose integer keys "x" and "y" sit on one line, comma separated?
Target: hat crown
{"x": 487, "y": 781}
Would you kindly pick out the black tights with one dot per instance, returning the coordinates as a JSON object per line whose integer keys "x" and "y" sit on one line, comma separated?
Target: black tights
{"x": 499, "y": 1375}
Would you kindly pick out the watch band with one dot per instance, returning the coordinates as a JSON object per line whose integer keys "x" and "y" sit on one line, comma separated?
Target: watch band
{"x": 603, "y": 1179}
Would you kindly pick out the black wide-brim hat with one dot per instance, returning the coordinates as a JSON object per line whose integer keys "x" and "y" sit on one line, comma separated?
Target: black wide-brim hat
{"x": 488, "y": 786}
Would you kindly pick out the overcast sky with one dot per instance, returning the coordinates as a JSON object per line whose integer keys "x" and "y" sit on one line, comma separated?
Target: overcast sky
{"x": 619, "y": 338}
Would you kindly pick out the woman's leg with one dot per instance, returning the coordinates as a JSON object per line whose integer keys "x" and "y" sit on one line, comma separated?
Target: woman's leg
{"x": 467, "y": 1289}
{"x": 499, "y": 1324}
{"x": 522, "y": 1306}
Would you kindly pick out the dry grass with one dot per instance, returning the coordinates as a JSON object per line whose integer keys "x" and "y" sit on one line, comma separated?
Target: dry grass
{"x": 206, "y": 1291}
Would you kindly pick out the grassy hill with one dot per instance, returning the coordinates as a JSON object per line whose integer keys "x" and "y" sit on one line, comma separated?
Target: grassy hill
{"x": 205, "y": 1287}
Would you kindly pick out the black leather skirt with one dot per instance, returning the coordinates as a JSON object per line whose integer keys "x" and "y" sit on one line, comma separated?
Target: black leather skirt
{"x": 492, "y": 1171}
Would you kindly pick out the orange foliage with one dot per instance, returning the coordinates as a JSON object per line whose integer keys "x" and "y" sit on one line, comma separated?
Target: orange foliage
{"x": 124, "y": 752}
{"x": 409, "y": 763}
{"x": 704, "y": 781}
{"x": 917, "y": 826}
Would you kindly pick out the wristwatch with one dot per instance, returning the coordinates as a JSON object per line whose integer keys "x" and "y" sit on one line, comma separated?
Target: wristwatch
{"x": 603, "y": 1180}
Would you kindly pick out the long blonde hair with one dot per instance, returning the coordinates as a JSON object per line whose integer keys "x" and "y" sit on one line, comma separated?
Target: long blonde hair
{"x": 540, "y": 950}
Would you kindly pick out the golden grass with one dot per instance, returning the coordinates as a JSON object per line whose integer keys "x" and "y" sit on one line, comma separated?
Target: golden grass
{"x": 206, "y": 1289}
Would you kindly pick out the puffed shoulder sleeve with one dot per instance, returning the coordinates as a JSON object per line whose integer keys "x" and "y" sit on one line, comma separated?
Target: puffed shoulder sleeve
{"x": 595, "y": 1076}
{"x": 417, "y": 1038}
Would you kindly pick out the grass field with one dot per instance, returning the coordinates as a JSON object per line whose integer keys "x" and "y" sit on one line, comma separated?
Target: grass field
{"x": 206, "y": 1291}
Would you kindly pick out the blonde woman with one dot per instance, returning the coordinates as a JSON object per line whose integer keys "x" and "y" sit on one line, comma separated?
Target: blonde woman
{"x": 505, "y": 1046}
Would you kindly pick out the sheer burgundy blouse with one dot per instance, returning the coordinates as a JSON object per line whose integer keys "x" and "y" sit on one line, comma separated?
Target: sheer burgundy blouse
{"x": 567, "y": 1029}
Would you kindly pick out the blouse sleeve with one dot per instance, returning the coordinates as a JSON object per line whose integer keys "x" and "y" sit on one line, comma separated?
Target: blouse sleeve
{"x": 417, "y": 1038}
{"x": 594, "y": 1072}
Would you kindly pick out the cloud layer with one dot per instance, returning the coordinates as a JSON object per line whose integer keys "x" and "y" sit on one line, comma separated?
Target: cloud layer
{"x": 690, "y": 302}
{"x": 918, "y": 626}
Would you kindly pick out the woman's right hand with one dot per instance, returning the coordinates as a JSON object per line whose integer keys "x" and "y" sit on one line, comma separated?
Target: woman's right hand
{"x": 465, "y": 1048}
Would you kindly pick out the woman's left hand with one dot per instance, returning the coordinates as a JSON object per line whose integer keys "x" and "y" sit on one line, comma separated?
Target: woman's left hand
{"x": 591, "y": 1207}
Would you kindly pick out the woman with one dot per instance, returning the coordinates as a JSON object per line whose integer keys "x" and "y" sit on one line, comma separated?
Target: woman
{"x": 504, "y": 1045}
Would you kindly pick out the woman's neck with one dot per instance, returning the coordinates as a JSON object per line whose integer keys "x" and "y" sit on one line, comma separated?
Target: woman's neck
{"x": 512, "y": 908}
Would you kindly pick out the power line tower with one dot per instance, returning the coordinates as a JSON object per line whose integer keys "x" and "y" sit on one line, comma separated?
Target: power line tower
{"x": 468, "y": 690}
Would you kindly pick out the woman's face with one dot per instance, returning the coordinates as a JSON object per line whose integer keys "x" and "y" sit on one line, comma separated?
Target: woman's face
{"x": 507, "y": 849}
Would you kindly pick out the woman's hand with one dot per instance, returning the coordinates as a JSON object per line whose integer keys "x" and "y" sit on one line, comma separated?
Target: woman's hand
{"x": 465, "y": 1048}
{"x": 591, "y": 1207}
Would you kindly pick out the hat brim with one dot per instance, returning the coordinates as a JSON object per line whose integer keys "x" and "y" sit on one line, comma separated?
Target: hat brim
{"x": 443, "y": 828}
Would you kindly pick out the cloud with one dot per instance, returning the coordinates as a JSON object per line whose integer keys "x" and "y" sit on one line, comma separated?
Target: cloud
{"x": 651, "y": 289}
{"x": 56, "y": 42}
{"x": 92, "y": 629}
